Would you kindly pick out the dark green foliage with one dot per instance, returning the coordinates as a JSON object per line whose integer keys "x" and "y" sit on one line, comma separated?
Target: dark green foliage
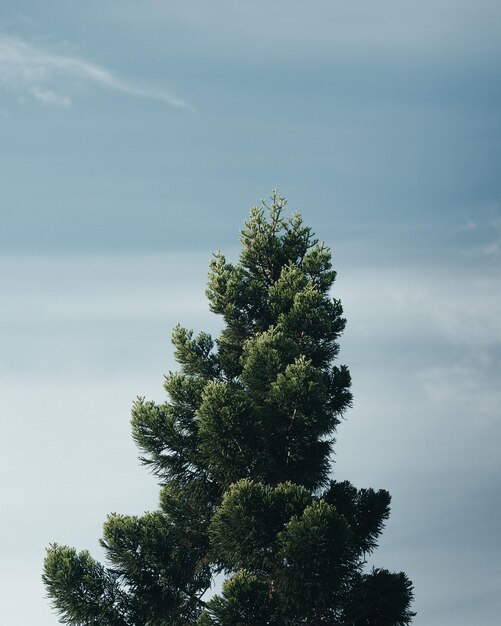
{"x": 244, "y": 530}
{"x": 365, "y": 510}
{"x": 380, "y": 598}
{"x": 318, "y": 562}
{"x": 246, "y": 600}
{"x": 242, "y": 451}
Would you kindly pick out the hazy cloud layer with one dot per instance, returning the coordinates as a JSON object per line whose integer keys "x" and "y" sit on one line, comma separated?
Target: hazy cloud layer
{"x": 30, "y": 70}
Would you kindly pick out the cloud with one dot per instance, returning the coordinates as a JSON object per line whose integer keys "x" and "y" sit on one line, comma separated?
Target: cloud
{"x": 422, "y": 344}
{"x": 30, "y": 71}
{"x": 486, "y": 233}
{"x": 454, "y": 307}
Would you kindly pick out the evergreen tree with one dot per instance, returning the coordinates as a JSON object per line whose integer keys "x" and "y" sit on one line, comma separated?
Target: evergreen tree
{"x": 241, "y": 451}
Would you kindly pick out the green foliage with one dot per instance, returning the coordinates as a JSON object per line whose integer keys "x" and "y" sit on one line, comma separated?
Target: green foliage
{"x": 245, "y": 600}
{"x": 365, "y": 510}
{"x": 85, "y": 591}
{"x": 244, "y": 530}
{"x": 380, "y": 598}
{"x": 242, "y": 450}
{"x": 318, "y": 561}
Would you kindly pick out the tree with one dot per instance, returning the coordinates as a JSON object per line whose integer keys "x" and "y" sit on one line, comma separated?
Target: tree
{"x": 242, "y": 453}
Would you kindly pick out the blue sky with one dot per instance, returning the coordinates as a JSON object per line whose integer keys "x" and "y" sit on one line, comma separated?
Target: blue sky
{"x": 134, "y": 139}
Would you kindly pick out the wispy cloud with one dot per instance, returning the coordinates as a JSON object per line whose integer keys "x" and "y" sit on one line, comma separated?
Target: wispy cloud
{"x": 32, "y": 71}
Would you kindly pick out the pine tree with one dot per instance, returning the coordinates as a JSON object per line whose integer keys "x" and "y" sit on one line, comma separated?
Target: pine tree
{"x": 242, "y": 453}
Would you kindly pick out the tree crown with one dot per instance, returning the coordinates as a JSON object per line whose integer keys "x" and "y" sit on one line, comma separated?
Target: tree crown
{"x": 242, "y": 450}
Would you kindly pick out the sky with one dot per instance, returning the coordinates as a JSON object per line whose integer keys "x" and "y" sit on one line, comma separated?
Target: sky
{"x": 135, "y": 137}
